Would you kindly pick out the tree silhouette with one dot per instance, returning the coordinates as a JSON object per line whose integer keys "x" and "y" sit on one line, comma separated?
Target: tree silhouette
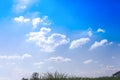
{"x": 117, "y": 74}
{"x": 35, "y": 76}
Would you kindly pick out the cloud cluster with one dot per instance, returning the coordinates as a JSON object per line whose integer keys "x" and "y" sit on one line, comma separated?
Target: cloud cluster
{"x": 34, "y": 21}
{"x": 13, "y": 57}
{"x": 47, "y": 43}
{"x": 50, "y": 43}
{"x": 78, "y": 43}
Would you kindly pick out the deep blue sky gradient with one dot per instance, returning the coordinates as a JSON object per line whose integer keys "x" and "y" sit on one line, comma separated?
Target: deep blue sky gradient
{"x": 81, "y": 14}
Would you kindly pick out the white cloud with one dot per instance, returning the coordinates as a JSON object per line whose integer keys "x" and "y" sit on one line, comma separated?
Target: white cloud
{"x": 35, "y": 22}
{"x": 98, "y": 44}
{"x": 43, "y": 21}
{"x": 59, "y": 59}
{"x": 12, "y": 57}
{"x": 100, "y": 30}
{"x": 90, "y": 33}
{"x": 78, "y": 43}
{"x": 22, "y": 5}
{"x": 38, "y": 64}
{"x": 21, "y": 19}
{"x": 26, "y": 56}
{"x": 89, "y": 61}
{"x": 47, "y": 43}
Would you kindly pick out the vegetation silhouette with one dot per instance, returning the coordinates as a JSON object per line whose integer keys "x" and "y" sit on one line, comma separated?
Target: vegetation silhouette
{"x": 117, "y": 74}
{"x": 63, "y": 76}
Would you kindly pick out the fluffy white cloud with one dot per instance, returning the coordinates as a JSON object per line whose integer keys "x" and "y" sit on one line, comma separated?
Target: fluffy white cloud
{"x": 89, "y": 61}
{"x": 98, "y": 44}
{"x": 45, "y": 42}
{"x": 78, "y": 43}
{"x": 43, "y": 21}
{"x": 100, "y": 30}
{"x": 59, "y": 59}
{"x": 11, "y": 57}
{"x": 21, "y": 19}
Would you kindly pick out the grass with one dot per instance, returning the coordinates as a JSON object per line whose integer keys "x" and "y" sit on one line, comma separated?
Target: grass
{"x": 63, "y": 76}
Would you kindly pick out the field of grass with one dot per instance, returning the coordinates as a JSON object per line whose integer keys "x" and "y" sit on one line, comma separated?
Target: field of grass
{"x": 62, "y": 76}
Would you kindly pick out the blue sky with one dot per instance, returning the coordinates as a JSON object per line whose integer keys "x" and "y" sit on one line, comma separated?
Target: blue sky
{"x": 79, "y": 37}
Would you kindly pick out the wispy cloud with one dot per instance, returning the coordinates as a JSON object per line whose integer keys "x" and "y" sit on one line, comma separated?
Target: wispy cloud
{"x": 47, "y": 43}
{"x": 26, "y": 56}
{"x": 90, "y": 33}
{"x": 89, "y": 61}
{"x": 22, "y": 5}
{"x": 100, "y": 30}
{"x": 110, "y": 43}
{"x": 58, "y": 59}
{"x": 98, "y": 44}
{"x": 38, "y": 64}
{"x": 10, "y": 57}
{"x": 78, "y": 43}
